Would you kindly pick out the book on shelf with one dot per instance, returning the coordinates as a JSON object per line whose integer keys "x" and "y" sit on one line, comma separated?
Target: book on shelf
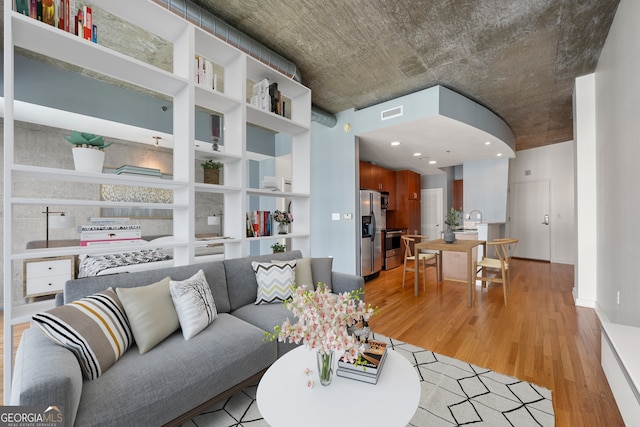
{"x": 106, "y": 226}
{"x": 370, "y": 361}
{"x": 205, "y": 74}
{"x": 22, "y": 7}
{"x": 138, "y": 170}
{"x": 61, "y": 14}
{"x": 260, "y": 96}
{"x": 259, "y": 223}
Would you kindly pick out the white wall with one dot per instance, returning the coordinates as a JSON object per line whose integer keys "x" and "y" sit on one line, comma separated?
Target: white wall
{"x": 617, "y": 82}
{"x": 485, "y": 188}
{"x": 554, "y": 163}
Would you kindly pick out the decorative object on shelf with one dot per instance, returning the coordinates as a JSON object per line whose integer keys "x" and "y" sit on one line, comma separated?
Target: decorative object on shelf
{"x": 453, "y": 221}
{"x": 58, "y": 221}
{"x": 88, "y": 153}
{"x": 211, "y": 171}
{"x": 283, "y": 219}
{"x": 278, "y": 247}
{"x": 215, "y": 221}
{"x": 215, "y": 132}
{"x": 322, "y": 321}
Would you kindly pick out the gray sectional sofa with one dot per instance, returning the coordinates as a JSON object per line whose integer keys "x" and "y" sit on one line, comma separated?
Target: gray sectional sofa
{"x": 177, "y": 379}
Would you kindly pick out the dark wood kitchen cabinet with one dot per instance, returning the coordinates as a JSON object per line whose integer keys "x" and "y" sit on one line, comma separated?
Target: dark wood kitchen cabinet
{"x": 374, "y": 177}
{"x": 407, "y": 209}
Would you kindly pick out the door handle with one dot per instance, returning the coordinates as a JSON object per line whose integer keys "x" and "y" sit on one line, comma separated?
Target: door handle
{"x": 545, "y": 221}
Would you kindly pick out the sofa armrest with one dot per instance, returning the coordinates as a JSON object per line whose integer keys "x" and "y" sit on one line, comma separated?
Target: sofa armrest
{"x": 46, "y": 374}
{"x": 343, "y": 282}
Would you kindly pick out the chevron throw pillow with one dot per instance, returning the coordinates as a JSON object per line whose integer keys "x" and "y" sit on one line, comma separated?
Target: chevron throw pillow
{"x": 275, "y": 280}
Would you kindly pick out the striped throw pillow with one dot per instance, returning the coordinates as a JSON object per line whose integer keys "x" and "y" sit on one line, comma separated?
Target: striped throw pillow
{"x": 275, "y": 280}
{"x": 95, "y": 329}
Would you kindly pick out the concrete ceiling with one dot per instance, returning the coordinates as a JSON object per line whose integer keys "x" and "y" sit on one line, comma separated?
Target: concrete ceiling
{"x": 518, "y": 58}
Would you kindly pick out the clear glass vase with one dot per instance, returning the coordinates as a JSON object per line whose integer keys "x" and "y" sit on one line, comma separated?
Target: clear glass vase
{"x": 325, "y": 367}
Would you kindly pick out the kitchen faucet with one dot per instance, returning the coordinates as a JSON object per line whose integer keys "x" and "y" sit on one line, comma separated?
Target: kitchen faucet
{"x": 479, "y": 215}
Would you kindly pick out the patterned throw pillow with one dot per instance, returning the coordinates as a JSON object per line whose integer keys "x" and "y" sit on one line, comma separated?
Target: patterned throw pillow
{"x": 94, "y": 328}
{"x": 194, "y": 304}
{"x": 275, "y": 280}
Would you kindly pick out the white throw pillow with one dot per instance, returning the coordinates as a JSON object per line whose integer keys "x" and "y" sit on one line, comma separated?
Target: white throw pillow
{"x": 151, "y": 313}
{"x": 194, "y": 304}
{"x": 275, "y": 280}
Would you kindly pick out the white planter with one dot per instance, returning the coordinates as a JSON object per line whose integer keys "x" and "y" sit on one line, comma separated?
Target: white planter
{"x": 88, "y": 159}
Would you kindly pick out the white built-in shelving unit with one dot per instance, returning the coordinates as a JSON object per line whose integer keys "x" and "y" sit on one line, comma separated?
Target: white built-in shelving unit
{"x": 188, "y": 40}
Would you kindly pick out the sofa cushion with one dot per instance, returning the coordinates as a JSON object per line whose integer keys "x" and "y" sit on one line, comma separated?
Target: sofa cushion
{"x": 194, "y": 304}
{"x": 303, "y": 272}
{"x": 213, "y": 271}
{"x": 94, "y": 328}
{"x": 321, "y": 271}
{"x": 241, "y": 279}
{"x": 275, "y": 280}
{"x": 151, "y": 313}
{"x": 266, "y": 317}
{"x": 176, "y": 376}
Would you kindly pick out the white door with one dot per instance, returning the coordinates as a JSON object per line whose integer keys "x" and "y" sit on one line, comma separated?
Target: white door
{"x": 529, "y": 219}
{"x": 431, "y": 211}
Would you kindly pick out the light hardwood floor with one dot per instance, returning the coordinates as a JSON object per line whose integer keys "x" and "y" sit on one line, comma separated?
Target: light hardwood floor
{"x": 540, "y": 337}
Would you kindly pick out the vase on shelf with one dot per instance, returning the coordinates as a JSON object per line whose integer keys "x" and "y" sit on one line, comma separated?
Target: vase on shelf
{"x": 325, "y": 367}
{"x": 283, "y": 228}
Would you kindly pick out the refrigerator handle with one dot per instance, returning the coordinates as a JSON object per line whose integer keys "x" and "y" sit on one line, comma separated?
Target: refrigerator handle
{"x": 373, "y": 226}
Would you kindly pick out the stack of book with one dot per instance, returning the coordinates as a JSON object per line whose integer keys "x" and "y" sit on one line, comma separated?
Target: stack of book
{"x": 205, "y": 75}
{"x": 266, "y": 96}
{"x": 138, "y": 171}
{"x": 259, "y": 223}
{"x": 101, "y": 232}
{"x": 61, "y": 14}
{"x": 369, "y": 365}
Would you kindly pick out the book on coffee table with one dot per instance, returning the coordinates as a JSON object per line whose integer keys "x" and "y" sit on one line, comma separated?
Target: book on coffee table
{"x": 370, "y": 361}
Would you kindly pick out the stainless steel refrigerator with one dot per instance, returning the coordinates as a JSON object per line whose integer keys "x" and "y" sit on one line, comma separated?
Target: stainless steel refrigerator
{"x": 372, "y": 223}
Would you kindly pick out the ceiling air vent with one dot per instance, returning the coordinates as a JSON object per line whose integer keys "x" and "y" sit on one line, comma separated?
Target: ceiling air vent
{"x": 391, "y": 113}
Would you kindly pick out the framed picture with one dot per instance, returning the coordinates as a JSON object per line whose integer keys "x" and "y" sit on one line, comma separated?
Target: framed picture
{"x": 127, "y": 193}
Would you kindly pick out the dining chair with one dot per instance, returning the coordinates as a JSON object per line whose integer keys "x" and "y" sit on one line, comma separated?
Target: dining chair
{"x": 425, "y": 260}
{"x": 497, "y": 270}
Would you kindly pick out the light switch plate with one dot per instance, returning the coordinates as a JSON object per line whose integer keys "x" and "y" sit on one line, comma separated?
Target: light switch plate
{"x": 335, "y": 216}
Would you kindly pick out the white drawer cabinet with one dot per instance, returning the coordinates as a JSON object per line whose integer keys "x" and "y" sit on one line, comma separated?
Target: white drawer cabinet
{"x": 47, "y": 276}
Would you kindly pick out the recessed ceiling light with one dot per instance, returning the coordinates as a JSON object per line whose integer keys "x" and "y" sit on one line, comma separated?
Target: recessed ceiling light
{"x": 395, "y": 143}
{"x": 499, "y": 154}
{"x": 432, "y": 162}
{"x": 417, "y": 154}
{"x": 487, "y": 143}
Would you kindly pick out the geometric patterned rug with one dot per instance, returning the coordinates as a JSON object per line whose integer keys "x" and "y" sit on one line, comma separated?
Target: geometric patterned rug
{"x": 454, "y": 393}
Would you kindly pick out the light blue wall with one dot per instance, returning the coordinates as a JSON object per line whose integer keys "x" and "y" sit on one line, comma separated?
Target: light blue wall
{"x": 486, "y": 183}
{"x": 334, "y": 164}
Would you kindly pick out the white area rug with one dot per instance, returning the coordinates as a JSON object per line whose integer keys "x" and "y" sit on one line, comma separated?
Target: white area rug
{"x": 454, "y": 393}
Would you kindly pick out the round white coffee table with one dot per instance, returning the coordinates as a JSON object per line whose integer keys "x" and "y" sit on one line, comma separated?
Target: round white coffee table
{"x": 284, "y": 399}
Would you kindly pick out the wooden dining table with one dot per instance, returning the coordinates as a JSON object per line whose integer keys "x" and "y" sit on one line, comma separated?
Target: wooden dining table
{"x": 457, "y": 246}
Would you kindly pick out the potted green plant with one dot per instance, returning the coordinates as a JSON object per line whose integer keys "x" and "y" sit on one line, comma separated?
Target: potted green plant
{"x": 452, "y": 220}
{"x": 88, "y": 151}
{"x": 211, "y": 171}
{"x": 278, "y": 247}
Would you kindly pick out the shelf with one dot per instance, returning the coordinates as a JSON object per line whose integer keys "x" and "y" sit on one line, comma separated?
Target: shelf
{"x": 68, "y": 175}
{"x": 274, "y": 122}
{"x": 29, "y": 34}
{"x": 47, "y": 116}
{"x": 95, "y": 203}
{"x": 92, "y": 250}
{"x": 23, "y": 313}
{"x": 278, "y": 236}
{"x": 271, "y": 193}
{"x": 215, "y": 188}
{"x": 214, "y": 100}
{"x": 205, "y": 152}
